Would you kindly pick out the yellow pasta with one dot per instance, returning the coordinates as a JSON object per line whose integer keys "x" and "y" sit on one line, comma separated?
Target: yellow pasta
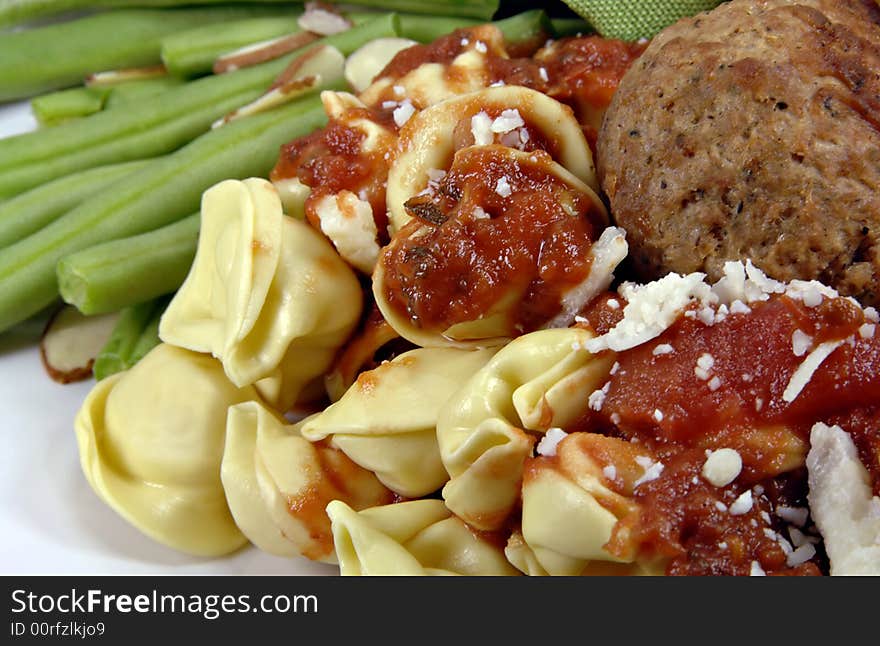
{"x": 572, "y": 501}
{"x": 415, "y": 538}
{"x": 278, "y": 484}
{"x": 431, "y": 83}
{"x": 150, "y": 443}
{"x": 267, "y": 295}
{"x": 428, "y": 140}
{"x": 386, "y": 422}
{"x": 487, "y": 429}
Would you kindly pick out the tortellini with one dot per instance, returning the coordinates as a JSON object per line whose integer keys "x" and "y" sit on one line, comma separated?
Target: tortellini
{"x": 386, "y": 422}
{"x": 151, "y": 441}
{"x": 267, "y": 295}
{"x": 416, "y": 538}
{"x": 433, "y": 82}
{"x": 572, "y": 501}
{"x": 539, "y": 381}
{"x": 278, "y": 484}
{"x": 514, "y": 116}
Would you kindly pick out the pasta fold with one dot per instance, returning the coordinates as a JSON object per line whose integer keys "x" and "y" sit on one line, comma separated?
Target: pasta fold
{"x": 386, "y": 422}
{"x": 476, "y": 266}
{"x": 415, "y": 538}
{"x": 432, "y": 82}
{"x": 278, "y": 484}
{"x": 486, "y": 431}
{"x": 150, "y": 444}
{"x": 514, "y": 116}
{"x": 267, "y": 295}
{"x": 572, "y": 501}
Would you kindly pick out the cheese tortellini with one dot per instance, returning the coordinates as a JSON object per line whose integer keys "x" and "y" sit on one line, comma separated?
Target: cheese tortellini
{"x": 386, "y": 422}
{"x": 487, "y": 429}
{"x": 571, "y": 502}
{"x": 150, "y": 444}
{"x": 433, "y": 82}
{"x": 514, "y": 116}
{"x": 267, "y": 294}
{"x": 278, "y": 484}
{"x": 415, "y": 538}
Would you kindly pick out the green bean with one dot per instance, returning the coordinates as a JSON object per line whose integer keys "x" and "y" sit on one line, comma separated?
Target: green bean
{"x": 15, "y": 12}
{"x": 425, "y": 29}
{"x": 60, "y": 55}
{"x": 483, "y": 9}
{"x": 136, "y": 332}
{"x": 563, "y": 27}
{"x": 119, "y": 273}
{"x": 526, "y": 29}
{"x": 167, "y": 190}
{"x": 193, "y": 52}
{"x": 31, "y": 211}
{"x": 156, "y": 125}
{"x": 56, "y": 107}
{"x": 132, "y": 91}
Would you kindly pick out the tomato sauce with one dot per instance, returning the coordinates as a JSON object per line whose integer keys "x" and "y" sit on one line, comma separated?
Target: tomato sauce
{"x": 472, "y": 246}
{"x": 700, "y": 387}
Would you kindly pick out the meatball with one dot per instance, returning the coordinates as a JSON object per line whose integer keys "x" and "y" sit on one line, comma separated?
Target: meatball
{"x": 753, "y": 132}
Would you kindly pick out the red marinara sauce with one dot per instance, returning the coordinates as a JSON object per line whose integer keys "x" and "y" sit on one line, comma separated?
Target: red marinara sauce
{"x": 472, "y": 244}
{"x": 701, "y": 387}
{"x": 332, "y": 159}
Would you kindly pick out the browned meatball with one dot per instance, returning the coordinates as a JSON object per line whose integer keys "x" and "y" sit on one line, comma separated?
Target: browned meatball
{"x": 753, "y": 131}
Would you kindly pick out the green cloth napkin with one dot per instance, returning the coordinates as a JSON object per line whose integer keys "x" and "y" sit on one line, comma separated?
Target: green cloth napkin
{"x": 634, "y": 19}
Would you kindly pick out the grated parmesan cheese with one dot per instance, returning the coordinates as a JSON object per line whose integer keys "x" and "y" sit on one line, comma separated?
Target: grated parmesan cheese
{"x": 509, "y": 119}
{"x": 801, "y": 555}
{"x": 481, "y": 129}
{"x": 722, "y": 467}
{"x": 552, "y": 438}
{"x": 503, "y": 187}
{"x": 800, "y": 343}
{"x": 403, "y": 112}
{"x": 794, "y": 515}
{"x": 651, "y": 309}
{"x": 652, "y": 470}
{"x": 801, "y": 377}
{"x": 662, "y": 348}
{"x": 743, "y": 503}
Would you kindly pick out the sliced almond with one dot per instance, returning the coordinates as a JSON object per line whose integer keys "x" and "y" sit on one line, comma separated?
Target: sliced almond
{"x": 319, "y": 65}
{"x": 72, "y": 341}
{"x": 114, "y": 77}
{"x": 272, "y": 99}
{"x": 323, "y": 19}
{"x": 362, "y": 66}
{"x": 262, "y": 52}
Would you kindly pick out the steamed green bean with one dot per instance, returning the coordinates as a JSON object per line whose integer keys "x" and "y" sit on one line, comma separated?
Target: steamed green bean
{"x": 165, "y": 191}
{"x": 61, "y": 55}
{"x": 29, "y": 212}
{"x": 136, "y": 332}
{"x": 154, "y": 126}
{"x": 119, "y": 273}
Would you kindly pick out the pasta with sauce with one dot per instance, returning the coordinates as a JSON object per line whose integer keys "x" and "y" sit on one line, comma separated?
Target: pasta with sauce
{"x": 387, "y": 421}
{"x": 415, "y": 538}
{"x": 499, "y": 402}
{"x": 266, "y": 294}
{"x": 487, "y": 429}
{"x": 278, "y": 484}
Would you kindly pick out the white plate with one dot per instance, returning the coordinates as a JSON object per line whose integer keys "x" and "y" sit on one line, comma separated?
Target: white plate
{"x": 51, "y": 522}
